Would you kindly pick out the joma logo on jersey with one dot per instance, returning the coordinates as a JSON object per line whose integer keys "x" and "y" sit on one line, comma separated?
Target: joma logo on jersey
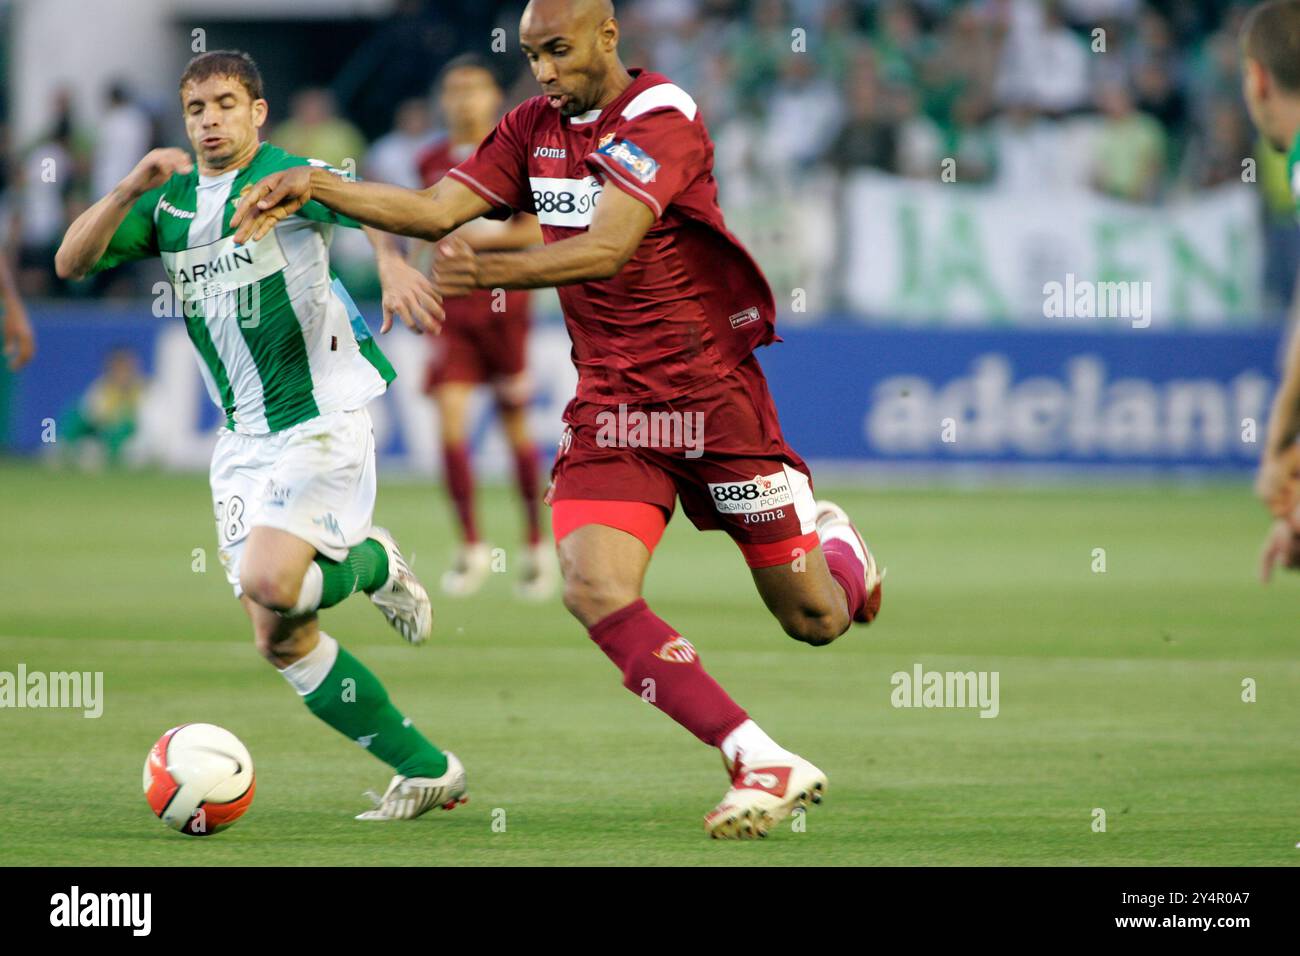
{"x": 632, "y": 158}
{"x": 549, "y": 152}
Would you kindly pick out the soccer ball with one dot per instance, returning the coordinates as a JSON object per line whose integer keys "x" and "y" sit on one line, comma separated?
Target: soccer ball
{"x": 198, "y": 778}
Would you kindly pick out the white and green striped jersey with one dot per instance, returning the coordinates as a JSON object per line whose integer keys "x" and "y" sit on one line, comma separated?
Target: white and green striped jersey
{"x": 279, "y": 339}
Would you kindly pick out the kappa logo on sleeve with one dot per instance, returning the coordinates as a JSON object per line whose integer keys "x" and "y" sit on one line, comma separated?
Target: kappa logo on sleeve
{"x": 632, "y": 158}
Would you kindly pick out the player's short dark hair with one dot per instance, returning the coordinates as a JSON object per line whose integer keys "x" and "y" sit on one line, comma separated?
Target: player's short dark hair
{"x": 466, "y": 61}
{"x": 232, "y": 63}
{"x": 1270, "y": 33}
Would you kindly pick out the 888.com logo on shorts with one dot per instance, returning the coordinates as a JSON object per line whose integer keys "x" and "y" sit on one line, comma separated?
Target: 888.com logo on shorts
{"x": 760, "y": 493}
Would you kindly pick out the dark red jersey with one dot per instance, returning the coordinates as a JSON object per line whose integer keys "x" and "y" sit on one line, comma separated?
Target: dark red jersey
{"x": 475, "y": 309}
{"x": 691, "y": 304}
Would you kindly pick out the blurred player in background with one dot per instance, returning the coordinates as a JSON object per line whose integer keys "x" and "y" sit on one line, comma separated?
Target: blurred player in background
{"x": 19, "y": 341}
{"x": 665, "y": 308}
{"x": 288, "y": 358}
{"x": 1270, "y": 47}
{"x": 106, "y": 412}
{"x": 484, "y": 341}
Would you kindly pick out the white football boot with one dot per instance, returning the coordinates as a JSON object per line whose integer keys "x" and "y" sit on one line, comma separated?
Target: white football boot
{"x": 408, "y": 797}
{"x": 834, "y": 524}
{"x": 469, "y": 572}
{"x": 537, "y": 573}
{"x": 762, "y": 794}
{"x": 402, "y": 599}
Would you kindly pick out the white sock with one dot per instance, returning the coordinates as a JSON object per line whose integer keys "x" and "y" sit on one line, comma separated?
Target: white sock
{"x": 313, "y": 583}
{"x": 309, "y": 671}
{"x": 749, "y": 738}
{"x": 842, "y": 532}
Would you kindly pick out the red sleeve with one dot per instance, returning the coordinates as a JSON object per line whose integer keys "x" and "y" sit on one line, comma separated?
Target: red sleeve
{"x": 430, "y": 166}
{"x": 498, "y": 170}
{"x": 653, "y": 157}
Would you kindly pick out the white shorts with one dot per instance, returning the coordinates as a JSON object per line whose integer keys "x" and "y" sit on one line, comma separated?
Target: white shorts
{"x": 315, "y": 480}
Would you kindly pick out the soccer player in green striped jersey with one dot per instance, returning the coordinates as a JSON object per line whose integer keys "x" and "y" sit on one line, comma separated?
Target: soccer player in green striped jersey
{"x": 287, "y": 357}
{"x": 1270, "y": 48}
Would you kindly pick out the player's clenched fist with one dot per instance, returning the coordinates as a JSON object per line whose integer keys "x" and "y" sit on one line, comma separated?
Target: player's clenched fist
{"x": 155, "y": 168}
{"x": 270, "y": 200}
{"x": 456, "y": 270}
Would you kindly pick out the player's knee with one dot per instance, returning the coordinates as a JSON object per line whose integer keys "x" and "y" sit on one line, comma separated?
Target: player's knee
{"x": 813, "y": 626}
{"x": 590, "y": 599}
{"x": 275, "y": 590}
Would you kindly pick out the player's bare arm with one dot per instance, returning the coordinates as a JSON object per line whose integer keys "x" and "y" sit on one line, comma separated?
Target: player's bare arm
{"x": 1277, "y": 481}
{"x": 617, "y": 228}
{"x": 519, "y": 232}
{"x": 419, "y": 213}
{"x": 19, "y": 341}
{"x": 407, "y": 293}
{"x": 88, "y": 237}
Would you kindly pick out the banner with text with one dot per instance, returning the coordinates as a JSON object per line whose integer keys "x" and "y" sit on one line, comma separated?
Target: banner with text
{"x": 846, "y": 395}
{"x": 946, "y": 253}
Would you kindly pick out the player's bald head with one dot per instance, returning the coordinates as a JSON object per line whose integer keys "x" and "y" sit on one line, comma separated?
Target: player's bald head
{"x": 572, "y": 47}
{"x": 564, "y": 16}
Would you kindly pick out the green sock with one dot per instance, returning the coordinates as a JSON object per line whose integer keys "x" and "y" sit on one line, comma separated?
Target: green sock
{"x": 364, "y": 569}
{"x": 354, "y": 702}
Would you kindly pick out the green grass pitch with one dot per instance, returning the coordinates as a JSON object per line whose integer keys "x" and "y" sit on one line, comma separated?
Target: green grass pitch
{"x": 1120, "y": 691}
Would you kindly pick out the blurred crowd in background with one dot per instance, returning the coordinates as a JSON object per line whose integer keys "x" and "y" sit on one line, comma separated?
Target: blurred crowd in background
{"x": 1136, "y": 101}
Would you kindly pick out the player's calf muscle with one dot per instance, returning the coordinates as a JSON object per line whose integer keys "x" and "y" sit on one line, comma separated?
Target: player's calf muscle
{"x": 279, "y": 639}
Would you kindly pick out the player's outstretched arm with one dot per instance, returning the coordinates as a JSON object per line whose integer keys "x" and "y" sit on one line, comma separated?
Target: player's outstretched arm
{"x": 407, "y": 292}
{"x": 422, "y": 214}
{"x": 88, "y": 237}
{"x": 1276, "y": 485}
{"x": 520, "y": 232}
{"x": 617, "y": 228}
{"x": 19, "y": 341}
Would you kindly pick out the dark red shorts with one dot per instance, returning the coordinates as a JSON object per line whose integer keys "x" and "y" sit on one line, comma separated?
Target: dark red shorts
{"x": 478, "y": 352}
{"x": 719, "y": 449}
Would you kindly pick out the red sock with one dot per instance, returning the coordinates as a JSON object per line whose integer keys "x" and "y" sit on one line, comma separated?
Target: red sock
{"x": 661, "y": 666}
{"x": 849, "y": 574}
{"x": 526, "y": 477}
{"x": 460, "y": 486}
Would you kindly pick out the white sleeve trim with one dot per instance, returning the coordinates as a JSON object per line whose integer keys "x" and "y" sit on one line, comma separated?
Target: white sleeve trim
{"x": 483, "y": 191}
{"x": 658, "y": 97}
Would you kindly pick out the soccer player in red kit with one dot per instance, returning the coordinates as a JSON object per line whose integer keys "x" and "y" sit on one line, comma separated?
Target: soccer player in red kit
{"x": 484, "y": 341}
{"x": 665, "y": 308}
